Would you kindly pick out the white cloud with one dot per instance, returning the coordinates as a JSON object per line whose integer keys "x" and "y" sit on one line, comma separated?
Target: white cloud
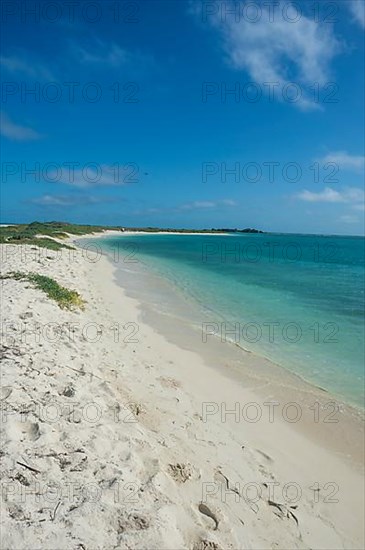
{"x": 199, "y": 204}
{"x": 52, "y": 200}
{"x": 68, "y": 200}
{"x": 196, "y": 205}
{"x": 357, "y": 8}
{"x": 353, "y": 196}
{"x": 16, "y": 132}
{"x": 229, "y": 202}
{"x": 345, "y": 160}
{"x": 275, "y": 50}
{"x": 327, "y": 195}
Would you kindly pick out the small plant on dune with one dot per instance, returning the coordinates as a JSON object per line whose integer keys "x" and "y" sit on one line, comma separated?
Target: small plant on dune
{"x": 65, "y": 298}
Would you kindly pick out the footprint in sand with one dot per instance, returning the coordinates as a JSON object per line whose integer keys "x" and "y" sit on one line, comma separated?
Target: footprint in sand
{"x": 181, "y": 472}
{"x": 206, "y": 511}
{"x": 204, "y": 544}
{"x": 136, "y": 409}
{"x": 132, "y": 522}
{"x": 169, "y": 382}
{"x": 28, "y": 430}
{"x": 17, "y": 513}
{"x": 5, "y": 392}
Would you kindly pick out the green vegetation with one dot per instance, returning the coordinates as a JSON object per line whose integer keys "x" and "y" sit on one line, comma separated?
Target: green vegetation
{"x": 27, "y": 233}
{"x": 66, "y": 299}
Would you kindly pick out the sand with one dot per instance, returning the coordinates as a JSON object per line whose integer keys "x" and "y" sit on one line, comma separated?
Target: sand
{"x": 114, "y": 437}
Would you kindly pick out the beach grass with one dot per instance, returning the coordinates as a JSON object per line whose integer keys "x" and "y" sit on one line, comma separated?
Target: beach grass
{"x": 65, "y": 298}
{"x": 42, "y": 242}
{"x": 43, "y": 234}
{"x": 25, "y": 234}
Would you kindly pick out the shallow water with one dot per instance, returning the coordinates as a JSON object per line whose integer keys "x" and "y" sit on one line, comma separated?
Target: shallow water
{"x": 295, "y": 299}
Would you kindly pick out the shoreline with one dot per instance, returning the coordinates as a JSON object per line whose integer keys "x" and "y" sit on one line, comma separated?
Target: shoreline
{"x": 180, "y": 451}
{"x": 297, "y": 379}
{"x": 257, "y": 371}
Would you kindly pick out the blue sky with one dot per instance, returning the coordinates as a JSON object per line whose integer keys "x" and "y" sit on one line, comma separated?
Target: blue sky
{"x": 184, "y": 114}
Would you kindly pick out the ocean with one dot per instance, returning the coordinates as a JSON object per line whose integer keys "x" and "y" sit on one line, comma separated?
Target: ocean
{"x": 297, "y": 300}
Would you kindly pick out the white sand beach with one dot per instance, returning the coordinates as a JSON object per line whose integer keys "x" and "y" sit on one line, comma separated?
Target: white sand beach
{"x": 114, "y": 437}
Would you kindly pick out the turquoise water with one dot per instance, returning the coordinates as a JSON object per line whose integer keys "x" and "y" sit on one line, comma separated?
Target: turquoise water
{"x": 296, "y": 299}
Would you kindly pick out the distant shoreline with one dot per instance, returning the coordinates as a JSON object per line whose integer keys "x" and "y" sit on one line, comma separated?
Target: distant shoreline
{"x": 147, "y": 230}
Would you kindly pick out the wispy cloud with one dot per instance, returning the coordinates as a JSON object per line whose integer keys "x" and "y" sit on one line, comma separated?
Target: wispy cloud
{"x": 357, "y": 8}
{"x": 277, "y": 50}
{"x": 111, "y": 55}
{"x": 197, "y": 205}
{"x": 69, "y": 200}
{"x": 194, "y": 205}
{"x": 229, "y": 202}
{"x": 345, "y": 161}
{"x": 21, "y": 64}
{"x": 102, "y": 54}
{"x": 353, "y": 196}
{"x": 98, "y": 175}
{"x": 15, "y": 132}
